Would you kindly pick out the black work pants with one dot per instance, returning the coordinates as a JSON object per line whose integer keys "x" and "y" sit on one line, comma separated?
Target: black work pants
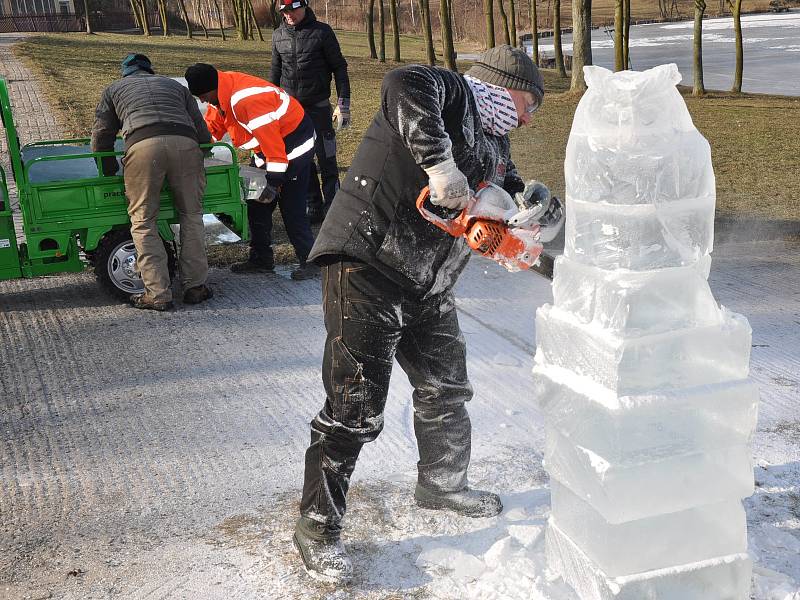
{"x": 370, "y": 321}
{"x": 325, "y": 151}
{"x": 291, "y": 200}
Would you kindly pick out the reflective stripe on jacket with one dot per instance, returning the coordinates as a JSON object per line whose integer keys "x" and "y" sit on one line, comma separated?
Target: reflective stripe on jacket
{"x": 260, "y": 116}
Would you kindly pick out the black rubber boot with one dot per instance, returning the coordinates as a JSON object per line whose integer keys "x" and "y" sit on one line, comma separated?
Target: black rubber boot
{"x": 467, "y": 502}
{"x": 252, "y": 266}
{"x": 306, "y": 270}
{"x": 324, "y": 557}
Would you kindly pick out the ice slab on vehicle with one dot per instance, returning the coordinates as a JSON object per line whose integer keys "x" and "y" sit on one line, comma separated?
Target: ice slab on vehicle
{"x": 687, "y": 536}
{"x": 722, "y": 578}
{"x": 628, "y": 365}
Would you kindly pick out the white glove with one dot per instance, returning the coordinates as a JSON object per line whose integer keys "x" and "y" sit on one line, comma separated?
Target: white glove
{"x": 449, "y": 186}
{"x": 341, "y": 114}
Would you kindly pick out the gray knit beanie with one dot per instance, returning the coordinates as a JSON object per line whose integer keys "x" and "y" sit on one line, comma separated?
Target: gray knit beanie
{"x": 510, "y": 68}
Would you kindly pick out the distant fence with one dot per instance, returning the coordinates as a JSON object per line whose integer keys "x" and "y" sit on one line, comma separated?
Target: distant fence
{"x": 121, "y": 20}
{"x": 53, "y": 22}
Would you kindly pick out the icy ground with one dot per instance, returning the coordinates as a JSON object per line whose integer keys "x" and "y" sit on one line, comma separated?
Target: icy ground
{"x": 160, "y": 455}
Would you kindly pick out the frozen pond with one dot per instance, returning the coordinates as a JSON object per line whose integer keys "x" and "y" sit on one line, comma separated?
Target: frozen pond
{"x": 771, "y": 51}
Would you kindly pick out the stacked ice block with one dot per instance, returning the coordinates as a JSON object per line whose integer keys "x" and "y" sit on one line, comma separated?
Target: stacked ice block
{"x": 642, "y": 376}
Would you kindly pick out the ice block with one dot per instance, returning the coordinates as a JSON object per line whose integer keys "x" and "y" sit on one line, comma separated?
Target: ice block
{"x": 722, "y": 578}
{"x": 627, "y": 365}
{"x": 636, "y": 302}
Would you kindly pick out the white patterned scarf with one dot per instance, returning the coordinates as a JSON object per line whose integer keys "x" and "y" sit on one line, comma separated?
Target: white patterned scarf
{"x": 495, "y": 106}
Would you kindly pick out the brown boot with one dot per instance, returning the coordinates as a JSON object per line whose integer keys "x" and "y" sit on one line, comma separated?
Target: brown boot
{"x": 197, "y": 294}
{"x": 144, "y": 302}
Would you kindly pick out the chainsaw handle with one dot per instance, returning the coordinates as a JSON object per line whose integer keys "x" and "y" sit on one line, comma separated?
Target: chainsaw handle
{"x": 455, "y": 227}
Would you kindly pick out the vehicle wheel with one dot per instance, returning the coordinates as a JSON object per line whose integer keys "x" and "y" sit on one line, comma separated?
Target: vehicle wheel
{"x": 115, "y": 264}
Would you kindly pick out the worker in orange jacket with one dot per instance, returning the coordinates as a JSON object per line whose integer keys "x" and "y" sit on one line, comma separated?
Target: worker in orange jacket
{"x": 261, "y": 117}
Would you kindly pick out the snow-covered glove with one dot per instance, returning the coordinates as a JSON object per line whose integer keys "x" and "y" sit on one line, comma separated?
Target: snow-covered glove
{"x": 448, "y": 185}
{"x": 268, "y": 195}
{"x": 341, "y": 114}
{"x": 533, "y": 202}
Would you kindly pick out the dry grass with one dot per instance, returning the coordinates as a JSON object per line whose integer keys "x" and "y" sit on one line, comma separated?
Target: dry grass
{"x": 755, "y": 139}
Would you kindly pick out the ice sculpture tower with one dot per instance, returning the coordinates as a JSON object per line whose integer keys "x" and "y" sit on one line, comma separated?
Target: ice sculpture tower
{"x": 641, "y": 375}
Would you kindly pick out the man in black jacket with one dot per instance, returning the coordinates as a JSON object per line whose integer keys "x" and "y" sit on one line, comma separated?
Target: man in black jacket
{"x": 388, "y": 276}
{"x": 305, "y": 53}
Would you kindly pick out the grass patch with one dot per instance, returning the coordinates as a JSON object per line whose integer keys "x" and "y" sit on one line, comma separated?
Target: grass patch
{"x": 755, "y": 139}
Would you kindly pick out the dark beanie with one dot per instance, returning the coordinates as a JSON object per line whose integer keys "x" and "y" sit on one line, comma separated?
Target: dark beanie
{"x": 136, "y": 62}
{"x": 510, "y": 68}
{"x": 201, "y": 78}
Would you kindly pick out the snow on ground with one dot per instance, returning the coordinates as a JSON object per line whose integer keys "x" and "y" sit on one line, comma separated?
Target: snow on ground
{"x": 171, "y": 467}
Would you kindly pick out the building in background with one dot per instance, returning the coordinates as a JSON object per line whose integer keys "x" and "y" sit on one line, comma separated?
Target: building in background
{"x": 36, "y": 7}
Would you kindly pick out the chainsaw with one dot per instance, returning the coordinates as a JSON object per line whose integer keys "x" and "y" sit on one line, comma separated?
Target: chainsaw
{"x": 508, "y": 231}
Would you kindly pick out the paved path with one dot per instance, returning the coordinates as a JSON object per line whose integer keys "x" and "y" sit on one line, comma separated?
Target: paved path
{"x": 159, "y": 455}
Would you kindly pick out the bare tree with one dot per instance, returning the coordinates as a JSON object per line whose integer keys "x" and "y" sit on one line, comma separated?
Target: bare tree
{"x": 699, "y": 9}
{"x": 381, "y": 32}
{"x": 425, "y": 9}
{"x": 219, "y": 20}
{"x": 619, "y": 33}
{"x": 446, "y": 22}
{"x": 488, "y": 12}
{"x": 185, "y": 17}
{"x": 534, "y": 31}
{"x": 736, "y": 10}
{"x": 254, "y": 24}
{"x": 504, "y": 19}
{"x": 627, "y": 26}
{"x": 86, "y": 16}
{"x": 513, "y": 18}
{"x": 162, "y": 13}
{"x": 557, "y": 52}
{"x": 139, "y": 8}
{"x": 199, "y": 12}
{"x": 581, "y": 41}
{"x": 395, "y": 29}
{"x": 373, "y": 53}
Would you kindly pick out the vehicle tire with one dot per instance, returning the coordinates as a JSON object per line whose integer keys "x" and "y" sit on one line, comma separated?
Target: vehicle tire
{"x": 115, "y": 264}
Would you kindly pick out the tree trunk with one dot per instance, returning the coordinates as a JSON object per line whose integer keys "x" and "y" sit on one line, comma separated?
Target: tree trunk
{"x": 395, "y": 29}
{"x": 425, "y": 9}
{"x": 736, "y": 9}
{"x": 219, "y": 19}
{"x": 143, "y": 16}
{"x": 447, "y": 35}
{"x": 135, "y": 10}
{"x": 559, "y": 55}
{"x": 199, "y": 11}
{"x": 162, "y": 13}
{"x": 627, "y": 34}
{"x": 488, "y": 13}
{"x": 185, "y": 17}
{"x": 534, "y": 31}
{"x": 381, "y": 32}
{"x": 373, "y": 53}
{"x": 619, "y": 33}
{"x": 513, "y": 10}
{"x": 252, "y": 14}
{"x": 581, "y": 41}
{"x": 86, "y": 16}
{"x": 699, "y": 9}
{"x": 504, "y": 19}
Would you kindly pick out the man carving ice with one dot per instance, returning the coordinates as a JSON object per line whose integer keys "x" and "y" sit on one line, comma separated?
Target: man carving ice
{"x": 387, "y": 286}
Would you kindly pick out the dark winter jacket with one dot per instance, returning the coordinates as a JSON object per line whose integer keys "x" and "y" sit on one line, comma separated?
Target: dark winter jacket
{"x": 427, "y": 115}
{"x": 143, "y": 105}
{"x": 304, "y": 57}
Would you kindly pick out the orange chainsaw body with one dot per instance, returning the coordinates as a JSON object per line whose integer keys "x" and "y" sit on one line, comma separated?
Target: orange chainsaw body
{"x": 514, "y": 249}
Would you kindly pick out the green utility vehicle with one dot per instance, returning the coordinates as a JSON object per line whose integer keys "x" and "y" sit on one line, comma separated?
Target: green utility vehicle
{"x": 72, "y": 214}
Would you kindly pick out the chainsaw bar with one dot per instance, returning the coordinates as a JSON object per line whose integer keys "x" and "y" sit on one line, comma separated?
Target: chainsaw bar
{"x": 544, "y": 266}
